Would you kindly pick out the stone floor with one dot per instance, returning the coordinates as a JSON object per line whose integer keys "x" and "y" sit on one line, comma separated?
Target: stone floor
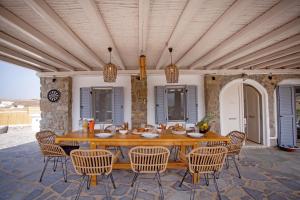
{"x": 267, "y": 174}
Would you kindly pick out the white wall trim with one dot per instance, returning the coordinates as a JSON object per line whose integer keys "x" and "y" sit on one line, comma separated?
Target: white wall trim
{"x": 265, "y": 107}
{"x": 160, "y": 72}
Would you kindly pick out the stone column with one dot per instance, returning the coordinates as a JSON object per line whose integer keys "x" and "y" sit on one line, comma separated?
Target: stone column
{"x": 56, "y": 116}
{"x": 139, "y": 101}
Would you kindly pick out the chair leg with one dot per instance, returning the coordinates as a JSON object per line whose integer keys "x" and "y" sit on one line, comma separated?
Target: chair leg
{"x": 88, "y": 182}
{"x": 160, "y": 186}
{"x": 55, "y": 164}
{"x": 216, "y": 185}
{"x": 206, "y": 179}
{"x": 107, "y": 193}
{"x": 80, "y": 187}
{"x": 237, "y": 169}
{"x": 186, "y": 172}
{"x": 64, "y": 168}
{"x": 134, "y": 178}
{"x": 45, "y": 166}
{"x": 112, "y": 180}
{"x": 227, "y": 163}
{"x": 120, "y": 149}
{"x": 135, "y": 189}
{"x": 193, "y": 191}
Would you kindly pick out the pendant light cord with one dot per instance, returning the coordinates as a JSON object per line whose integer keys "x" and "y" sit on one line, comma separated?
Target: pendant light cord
{"x": 170, "y": 50}
{"x": 109, "y": 49}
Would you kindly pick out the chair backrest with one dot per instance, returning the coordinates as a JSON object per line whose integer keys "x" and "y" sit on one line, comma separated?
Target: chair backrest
{"x": 92, "y": 162}
{"x": 237, "y": 137}
{"x": 237, "y": 140}
{"x": 149, "y": 159}
{"x": 46, "y": 140}
{"x": 46, "y": 137}
{"x": 206, "y": 159}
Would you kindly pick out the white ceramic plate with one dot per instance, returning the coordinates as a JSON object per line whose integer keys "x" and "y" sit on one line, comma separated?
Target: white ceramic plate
{"x": 150, "y": 135}
{"x": 195, "y": 135}
{"x": 103, "y": 135}
{"x": 179, "y": 132}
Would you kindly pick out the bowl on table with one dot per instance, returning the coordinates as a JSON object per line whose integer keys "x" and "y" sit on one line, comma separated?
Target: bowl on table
{"x": 123, "y": 132}
{"x": 195, "y": 135}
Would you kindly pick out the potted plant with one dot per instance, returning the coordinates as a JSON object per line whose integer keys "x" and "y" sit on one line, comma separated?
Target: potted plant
{"x": 203, "y": 125}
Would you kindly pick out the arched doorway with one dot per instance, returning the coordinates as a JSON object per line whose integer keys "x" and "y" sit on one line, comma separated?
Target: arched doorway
{"x": 235, "y": 98}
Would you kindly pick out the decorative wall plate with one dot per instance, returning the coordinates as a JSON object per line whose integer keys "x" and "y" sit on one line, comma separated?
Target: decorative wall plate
{"x": 53, "y": 95}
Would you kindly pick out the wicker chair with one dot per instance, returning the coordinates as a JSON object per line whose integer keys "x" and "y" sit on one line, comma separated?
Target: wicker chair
{"x": 93, "y": 162}
{"x": 51, "y": 151}
{"x": 148, "y": 160}
{"x": 56, "y": 152}
{"x": 237, "y": 140}
{"x": 206, "y": 161}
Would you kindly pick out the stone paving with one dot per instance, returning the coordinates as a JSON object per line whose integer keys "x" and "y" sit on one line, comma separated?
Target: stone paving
{"x": 266, "y": 174}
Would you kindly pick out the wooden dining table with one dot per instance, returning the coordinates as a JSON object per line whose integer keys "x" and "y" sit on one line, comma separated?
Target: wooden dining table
{"x": 165, "y": 139}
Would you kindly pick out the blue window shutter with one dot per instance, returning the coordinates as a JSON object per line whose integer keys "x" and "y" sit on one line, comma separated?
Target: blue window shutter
{"x": 191, "y": 104}
{"x": 118, "y": 105}
{"x": 85, "y": 102}
{"x": 286, "y": 115}
{"x": 160, "y": 105}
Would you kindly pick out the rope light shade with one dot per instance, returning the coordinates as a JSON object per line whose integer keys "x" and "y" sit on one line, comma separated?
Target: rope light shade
{"x": 110, "y": 70}
{"x": 171, "y": 71}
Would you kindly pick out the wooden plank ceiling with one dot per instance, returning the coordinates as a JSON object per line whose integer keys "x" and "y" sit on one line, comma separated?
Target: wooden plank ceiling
{"x": 73, "y": 35}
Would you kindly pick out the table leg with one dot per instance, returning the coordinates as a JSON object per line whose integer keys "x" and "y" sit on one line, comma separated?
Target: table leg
{"x": 93, "y": 178}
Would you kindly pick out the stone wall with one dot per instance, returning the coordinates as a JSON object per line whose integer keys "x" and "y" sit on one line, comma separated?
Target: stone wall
{"x": 56, "y": 116}
{"x": 139, "y": 102}
{"x": 214, "y": 86}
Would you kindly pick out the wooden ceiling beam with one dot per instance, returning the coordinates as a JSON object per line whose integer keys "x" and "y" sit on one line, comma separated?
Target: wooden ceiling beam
{"x": 270, "y": 57}
{"x": 284, "y": 64}
{"x": 97, "y": 22}
{"x": 144, "y": 10}
{"x": 59, "y": 27}
{"x": 19, "y": 63}
{"x": 28, "y": 50}
{"x": 292, "y": 66}
{"x": 184, "y": 20}
{"x": 293, "y": 40}
{"x": 18, "y": 24}
{"x": 247, "y": 30}
{"x": 18, "y": 56}
{"x": 227, "y": 18}
{"x": 276, "y": 62}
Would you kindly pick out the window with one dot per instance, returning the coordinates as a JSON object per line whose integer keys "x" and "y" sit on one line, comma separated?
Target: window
{"x": 176, "y": 101}
{"x": 102, "y": 105}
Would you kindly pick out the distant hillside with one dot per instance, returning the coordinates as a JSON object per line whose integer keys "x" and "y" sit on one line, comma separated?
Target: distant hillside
{"x": 24, "y": 102}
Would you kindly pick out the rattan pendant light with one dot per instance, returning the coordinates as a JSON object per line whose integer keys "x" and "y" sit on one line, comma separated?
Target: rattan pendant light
{"x": 110, "y": 70}
{"x": 171, "y": 71}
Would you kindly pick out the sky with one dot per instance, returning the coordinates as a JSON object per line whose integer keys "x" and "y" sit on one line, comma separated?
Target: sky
{"x": 18, "y": 82}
